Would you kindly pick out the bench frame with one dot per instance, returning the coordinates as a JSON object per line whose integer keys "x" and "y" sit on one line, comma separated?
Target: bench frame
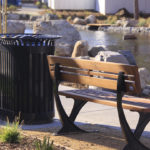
{"x": 68, "y": 125}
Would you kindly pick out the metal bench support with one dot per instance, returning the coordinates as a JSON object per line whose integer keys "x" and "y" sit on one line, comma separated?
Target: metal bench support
{"x": 68, "y": 125}
{"x": 131, "y": 138}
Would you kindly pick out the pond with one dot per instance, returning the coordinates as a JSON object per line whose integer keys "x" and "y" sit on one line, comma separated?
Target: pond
{"x": 140, "y": 47}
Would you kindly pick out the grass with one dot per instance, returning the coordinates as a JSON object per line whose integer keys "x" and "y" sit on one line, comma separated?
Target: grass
{"x": 70, "y": 15}
{"x": 141, "y": 22}
{"x": 38, "y": 4}
{"x": 44, "y": 145}
{"x": 11, "y": 132}
{"x": 12, "y": 8}
{"x": 111, "y": 19}
{"x": 148, "y": 21}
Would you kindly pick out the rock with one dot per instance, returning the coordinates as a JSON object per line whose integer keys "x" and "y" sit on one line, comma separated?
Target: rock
{"x": 33, "y": 18}
{"x": 15, "y": 27}
{"x": 63, "y": 49}
{"x": 146, "y": 92}
{"x": 90, "y": 19}
{"x": 129, "y": 56}
{"x": 48, "y": 17}
{"x": 122, "y": 13}
{"x": 130, "y": 23}
{"x": 12, "y": 16}
{"x": 59, "y": 27}
{"x": 94, "y": 50}
{"x": 110, "y": 56}
{"x": 126, "y": 23}
{"x": 79, "y": 21}
{"x": 119, "y": 23}
{"x": 24, "y": 17}
{"x": 144, "y": 77}
{"x": 129, "y": 37}
{"x": 80, "y": 27}
{"x": 80, "y": 49}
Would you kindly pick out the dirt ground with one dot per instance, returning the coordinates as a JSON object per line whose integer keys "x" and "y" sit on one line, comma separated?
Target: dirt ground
{"x": 105, "y": 139}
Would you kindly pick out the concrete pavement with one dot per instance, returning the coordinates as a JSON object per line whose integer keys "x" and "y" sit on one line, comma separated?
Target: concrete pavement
{"x": 91, "y": 113}
{"x": 30, "y": 9}
{"x": 100, "y": 114}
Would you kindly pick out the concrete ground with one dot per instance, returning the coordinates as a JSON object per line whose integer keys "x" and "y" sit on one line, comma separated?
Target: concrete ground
{"x": 92, "y": 113}
{"x": 100, "y": 114}
{"x": 29, "y": 8}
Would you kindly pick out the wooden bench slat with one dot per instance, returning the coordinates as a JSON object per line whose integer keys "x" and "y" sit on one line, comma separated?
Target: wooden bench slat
{"x": 92, "y": 73}
{"x": 93, "y": 65}
{"x": 109, "y": 98}
{"x": 99, "y": 82}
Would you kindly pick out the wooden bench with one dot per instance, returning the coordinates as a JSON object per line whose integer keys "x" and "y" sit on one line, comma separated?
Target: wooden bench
{"x": 120, "y": 83}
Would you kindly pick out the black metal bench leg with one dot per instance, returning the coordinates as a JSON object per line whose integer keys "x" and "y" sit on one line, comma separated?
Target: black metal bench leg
{"x": 144, "y": 119}
{"x": 68, "y": 125}
{"x": 132, "y": 141}
{"x": 78, "y": 104}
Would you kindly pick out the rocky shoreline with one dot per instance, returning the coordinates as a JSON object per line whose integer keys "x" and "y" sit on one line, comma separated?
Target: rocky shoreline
{"x": 134, "y": 30}
{"x": 118, "y": 29}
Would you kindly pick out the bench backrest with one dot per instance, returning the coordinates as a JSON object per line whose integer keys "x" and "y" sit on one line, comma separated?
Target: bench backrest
{"x": 96, "y": 73}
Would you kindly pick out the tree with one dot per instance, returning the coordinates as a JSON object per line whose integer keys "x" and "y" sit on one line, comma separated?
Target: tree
{"x": 136, "y": 9}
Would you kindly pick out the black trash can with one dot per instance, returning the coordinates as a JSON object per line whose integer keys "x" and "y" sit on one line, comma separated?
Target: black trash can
{"x": 25, "y": 83}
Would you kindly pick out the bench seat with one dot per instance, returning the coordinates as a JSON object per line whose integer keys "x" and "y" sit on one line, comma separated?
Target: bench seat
{"x": 108, "y": 98}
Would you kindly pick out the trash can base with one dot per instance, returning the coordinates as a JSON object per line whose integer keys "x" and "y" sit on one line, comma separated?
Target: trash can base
{"x": 28, "y": 118}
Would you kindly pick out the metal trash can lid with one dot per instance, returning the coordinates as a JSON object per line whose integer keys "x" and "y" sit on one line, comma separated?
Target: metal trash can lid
{"x": 15, "y": 39}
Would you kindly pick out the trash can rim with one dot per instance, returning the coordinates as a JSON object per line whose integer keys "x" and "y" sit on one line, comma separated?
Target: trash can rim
{"x": 28, "y": 36}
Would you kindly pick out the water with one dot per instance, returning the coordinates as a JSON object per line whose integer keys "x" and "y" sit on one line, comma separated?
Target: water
{"x": 28, "y": 30}
{"x": 140, "y": 48}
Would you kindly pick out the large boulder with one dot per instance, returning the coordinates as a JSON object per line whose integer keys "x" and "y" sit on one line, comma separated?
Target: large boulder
{"x": 15, "y": 27}
{"x": 80, "y": 49}
{"x": 59, "y": 27}
{"x": 110, "y": 56}
{"x": 129, "y": 56}
{"x": 90, "y": 19}
{"x": 144, "y": 77}
{"x": 146, "y": 91}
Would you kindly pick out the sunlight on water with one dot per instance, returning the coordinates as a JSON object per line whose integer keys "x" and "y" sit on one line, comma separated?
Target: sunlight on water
{"x": 28, "y": 30}
{"x": 140, "y": 48}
